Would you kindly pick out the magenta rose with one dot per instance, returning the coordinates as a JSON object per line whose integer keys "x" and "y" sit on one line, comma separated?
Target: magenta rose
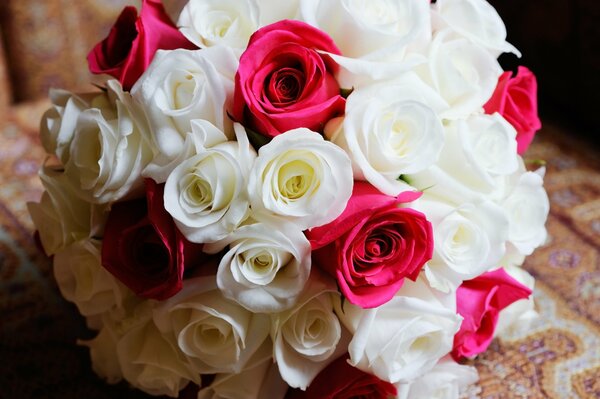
{"x": 143, "y": 248}
{"x": 133, "y": 41}
{"x": 479, "y": 302}
{"x": 285, "y": 82}
{"x": 373, "y": 245}
{"x": 515, "y": 98}
{"x": 339, "y": 380}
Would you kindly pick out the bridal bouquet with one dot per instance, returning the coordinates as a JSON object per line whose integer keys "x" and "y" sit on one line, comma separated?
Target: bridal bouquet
{"x": 296, "y": 199}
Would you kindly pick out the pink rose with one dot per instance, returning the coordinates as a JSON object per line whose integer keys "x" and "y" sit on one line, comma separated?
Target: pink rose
{"x": 284, "y": 82}
{"x": 143, "y": 248}
{"x": 515, "y": 98}
{"x": 373, "y": 245}
{"x": 339, "y": 380}
{"x": 479, "y": 301}
{"x": 133, "y": 41}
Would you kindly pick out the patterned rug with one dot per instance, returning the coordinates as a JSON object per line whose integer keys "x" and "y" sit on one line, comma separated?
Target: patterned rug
{"x": 558, "y": 358}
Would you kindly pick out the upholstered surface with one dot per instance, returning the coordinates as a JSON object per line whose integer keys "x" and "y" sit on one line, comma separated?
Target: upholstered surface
{"x": 558, "y": 358}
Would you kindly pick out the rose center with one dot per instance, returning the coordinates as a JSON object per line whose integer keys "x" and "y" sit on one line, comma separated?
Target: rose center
{"x": 284, "y": 86}
{"x": 149, "y": 251}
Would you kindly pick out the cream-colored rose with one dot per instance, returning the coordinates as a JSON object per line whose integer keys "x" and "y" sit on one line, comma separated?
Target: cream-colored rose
{"x": 207, "y": 193}
{"x": 390, "y": 129}
{"x": 58, "y": 123}
{"x": 61, "y": 217}
{"x": 372, "y": 30}
{"x": 469, "y": 240}
{"x": 477, "y": 20}
{"x": 462, "y": 72}
{"x": 110, "y": 148}
{"x": 103, "y": 354}
{"x": 266, "y": 267}
{"x": 445, "y": 381}
{"x": 215, "y": 334}
{"x": 301, "y": 178}
{"x": 516, "y": 319}
{"x": 182, "y": 85}
{"x": 404, "y": 338}
{"x": 82, "y": 279}
{"x": 309, "y": 336}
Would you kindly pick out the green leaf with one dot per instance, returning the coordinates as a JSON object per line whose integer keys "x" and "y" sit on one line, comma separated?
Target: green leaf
{"x": 346, "y": 92}
{"x": 256, "y": 139}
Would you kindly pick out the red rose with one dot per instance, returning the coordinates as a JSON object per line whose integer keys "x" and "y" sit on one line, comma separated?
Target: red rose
{"x": 373, "y": 245}
{"x": 339, "y": 380}
{"x": 479, "y": 301}
{"x": 515, "y": 98}
{"x": 143, "y": 248}
{"x": 133, "y": 41}
{"x": 284, "y": 82}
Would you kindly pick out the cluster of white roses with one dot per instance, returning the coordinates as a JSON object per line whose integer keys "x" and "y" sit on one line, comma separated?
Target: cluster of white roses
{"x": 420, "y": 75}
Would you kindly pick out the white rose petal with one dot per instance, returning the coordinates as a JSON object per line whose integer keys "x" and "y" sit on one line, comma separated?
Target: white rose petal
{"x": 444, "y": 381}
{"x": 462, "y": 72}
{"x": 61, "y": 217}
{"x": 527, "y": 207}
{"x": 372, "y": 30}
{"x": 215, "y": 334}
{"x": 309, "y": 336}
{"x": 58, "y": 123}
{"x": 83, "y": 281}
{"x": 151, "y": 362}
{"x": 182, "y": 85}
{"x": 276, "y": 10}
{"x": 260, "y": 379}
{"x": 300, "y": 177}
{"x": 208, "y": 23}
{"x": 404, "y": 338}
{"x": 266, "y": 266}
{"x": 103, "y": 354}
{"x": 110, "y": 148}
{"x": 476, "y": 20}
{"x": 390, "y": 129}
{"x": 206, "y": 194}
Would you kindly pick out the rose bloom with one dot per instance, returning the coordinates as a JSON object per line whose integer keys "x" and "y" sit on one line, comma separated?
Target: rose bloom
{"x": 515, "y": 98}
{"x": 143, "y": 248}
{"x": 373, "y": 245}
{"x": 285, "y": 82}
{"x": 133, "y": 41}
{"x": 479, "y": 302}
{"x": 342, "y": 381}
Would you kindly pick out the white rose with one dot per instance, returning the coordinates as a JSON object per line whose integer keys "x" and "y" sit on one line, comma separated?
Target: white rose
{"x": 301, "y": 177}
{"x": 469, "y": 240}
{"x": 276, "y": 10}
{"x": 390, "y": 129}
{"x": 206, "y": 194}
{"x": 151, "y": 362}
{"x": 479, "y": 154}
{"x": 61, "y": 217}
{"x": 527, "y": 207}
{"x": 266, "y": 266}
{"x": 260, "y": 379}
{"x": 82, "y": 279}
{"x": 309, "y": 336}
{"x": 110, "y": 148}
{"x": 477, "y": 20}
{"x": 444, "y": 381}
{"x": 182, "y": 85}
{"x": 463, "y": 73}
{"x": 516, "y": 319}
{"x": 216, "y": 335}
{"x": 208, "y": 23}
{"x": 403, "y": 338}
{"x": 103, "y": 354}
{"x": 372, "y": 30}
{"x": 58, "y": 122}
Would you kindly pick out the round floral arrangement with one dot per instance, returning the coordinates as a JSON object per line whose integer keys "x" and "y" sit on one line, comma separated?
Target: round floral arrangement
{"x": 300, "y": 199}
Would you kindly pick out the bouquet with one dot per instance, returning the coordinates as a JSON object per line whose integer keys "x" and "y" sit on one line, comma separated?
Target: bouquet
{"x": 299, "y": 199}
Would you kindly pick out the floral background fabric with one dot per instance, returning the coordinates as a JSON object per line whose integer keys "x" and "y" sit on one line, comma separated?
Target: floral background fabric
{"x": 558, "y": 358}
